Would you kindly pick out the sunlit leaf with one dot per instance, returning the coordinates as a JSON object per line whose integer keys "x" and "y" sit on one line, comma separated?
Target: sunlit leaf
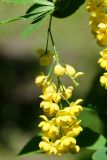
{"x": 42, "y": 9}
{"x": 100, "y": 154}
{"x": 91, "y": 120}
{"x": 100, "y": 142}
{"x": 45, "y": 2}
{"x": 32, "y": 27}
{"x": 10, "y": 20}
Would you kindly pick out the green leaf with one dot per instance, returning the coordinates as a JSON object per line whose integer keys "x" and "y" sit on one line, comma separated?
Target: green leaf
{"x": 38, "y": 8}
{"x": 66, "y": 8}
{"x": 33, "y": 26}
{"x": 35, "y": 16}
{"x": 90, "y": 118}
{"x": 45, "y": 2}
{"x": 32, "y": 147}
{"x": 19, "y": 1}
{"x": 42, "y": 9}
{"x": 100, "y": 154}
{"x": 100, "y": 142}
{"x": 10, "y": 20}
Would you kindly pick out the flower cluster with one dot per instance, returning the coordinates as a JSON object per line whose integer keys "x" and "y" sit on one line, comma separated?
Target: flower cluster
{"x": 98, "y": 24}
{"x": 59, "y": 124}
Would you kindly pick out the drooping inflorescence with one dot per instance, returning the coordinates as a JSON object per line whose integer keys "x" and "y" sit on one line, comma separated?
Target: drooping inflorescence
{"x": 59, "y": 124}
{"x": 98, "y": 24}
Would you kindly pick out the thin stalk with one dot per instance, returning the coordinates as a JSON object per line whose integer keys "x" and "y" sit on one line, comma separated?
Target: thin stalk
{"x": 48, "y": 32}
{"x": 51, "y": 68}
{"x": 52, "y": 40}
{"x": 66, "y": 100}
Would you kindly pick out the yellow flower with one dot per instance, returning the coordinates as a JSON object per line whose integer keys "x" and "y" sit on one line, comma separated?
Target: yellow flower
{"x": 67, "y": 93}
{"x": 73, "y": 130}
{"x": 40, "y": 80}
{"x": 103, "y": 59}
{"x": 103, "y": 80}
{"x": 49, "y": 108}
{"x": 75, "y": 107}
{"x": 103, "y": 63}
{"x": 59, "y": 70}
{"x": 49, "y": 128}
{"x": 47, "y": 146}
{"x": 48, "y": 91}
{"x": 66, "y": 111}
{"x": 104, "y": 53}
{"x": 93, "y": 5}
{"x": 70, "y": 71}
{"x": 102, "y": 39}
{"x": 65, "y": 120}
{"x": 98, "y": 20}
{"x": 56, "y": 97}
{"x": 66, "y": 143}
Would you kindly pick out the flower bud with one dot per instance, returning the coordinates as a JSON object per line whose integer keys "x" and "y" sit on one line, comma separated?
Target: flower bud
{"x": 39, "y": 80}
{"x": 59, "y": 70}
{"x": 44, "y": 59}
{"x": 69, "y": 70}
{"x": 67, "y": 93}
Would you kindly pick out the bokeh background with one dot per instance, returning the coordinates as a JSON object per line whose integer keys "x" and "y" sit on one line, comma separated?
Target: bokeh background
{"x": 19, "y": 103}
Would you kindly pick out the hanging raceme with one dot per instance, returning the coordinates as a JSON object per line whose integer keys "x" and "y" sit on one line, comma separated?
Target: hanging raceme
{"x": 98, "y": 24}
{"x": 60, "y": 124}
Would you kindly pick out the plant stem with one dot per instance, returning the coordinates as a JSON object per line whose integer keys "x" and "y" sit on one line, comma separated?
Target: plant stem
{"x": 48, "y": 32}
{"x": 52, "y": 40}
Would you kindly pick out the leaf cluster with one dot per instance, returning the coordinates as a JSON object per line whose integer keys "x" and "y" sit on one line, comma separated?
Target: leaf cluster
{"x": 40, "y": 10}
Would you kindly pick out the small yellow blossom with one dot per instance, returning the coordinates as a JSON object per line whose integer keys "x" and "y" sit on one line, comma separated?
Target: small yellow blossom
{"x": 104, "y": 53}
{"x": 51, "y": 88}
{"x": 47, "y": 146}
{"x": 66, "y": 143}
{"x": 48, "y": 91}
{"x": 63, "y": 120}
{"x": 40, "y": 80}
{"x": 70, "y": 71}
{"x": 103, "y": 80}
{"x": 49, "y": 108}
{"x": 103, "y": 59}
{"x": 103, "y": 63}
{"x": 59, "y": 70}
{"x": 76, "y": 108}
{"x": 67, "y": 93}
{"x": 56, "y": 97}
{"x": 102, "y": 39}
{"x": 74, "y": 130}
